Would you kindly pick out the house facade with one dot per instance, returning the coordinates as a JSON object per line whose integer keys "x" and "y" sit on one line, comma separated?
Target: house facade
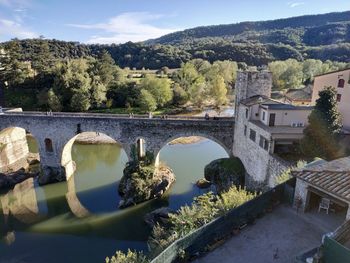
{"x": 340, "y": 80}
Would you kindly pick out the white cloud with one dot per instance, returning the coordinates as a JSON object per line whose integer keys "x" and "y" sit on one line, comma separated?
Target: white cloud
{"x": 295, "y": 4}
{"x": 125, "y": 27}
{"x": 14, "y": 29}
{"x": 15, "y": 3}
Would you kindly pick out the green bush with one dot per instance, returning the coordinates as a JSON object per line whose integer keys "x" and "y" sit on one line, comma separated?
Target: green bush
{"x": 286, "y": 175}
{"x": 129, "y": 257}
{"x": 203, "y": 210}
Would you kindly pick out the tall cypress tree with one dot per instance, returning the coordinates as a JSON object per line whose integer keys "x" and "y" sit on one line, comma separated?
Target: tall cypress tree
{"x": 325, "y": 124}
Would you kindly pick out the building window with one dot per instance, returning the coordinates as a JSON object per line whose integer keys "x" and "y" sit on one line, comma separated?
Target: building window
{"x": 264, "y": 115}
{"x": 252, "y": 135}
{"x": 341, "y": 83}
{"x": 263, "y": 143}
{"x": 245, "y": 130}
{"x": 246, "y": 113}
{"x": 338, "y": 97}
{"x": 48, "y": 145}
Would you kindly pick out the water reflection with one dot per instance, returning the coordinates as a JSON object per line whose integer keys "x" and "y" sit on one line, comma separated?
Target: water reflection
{"x": 89, "y": 157}
{"x": 74, "y": 204}
{"x": 21, "y": 203}
{"x": 82, "y": 214}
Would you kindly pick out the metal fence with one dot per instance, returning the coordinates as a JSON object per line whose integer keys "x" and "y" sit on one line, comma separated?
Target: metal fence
{"x": 334, "y": 252}
{"x": 222, "y": 227}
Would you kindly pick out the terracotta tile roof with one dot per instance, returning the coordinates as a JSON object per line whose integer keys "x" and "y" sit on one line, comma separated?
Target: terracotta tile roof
{"x": 340, "y": 165}
{"x": 334, "y": 182}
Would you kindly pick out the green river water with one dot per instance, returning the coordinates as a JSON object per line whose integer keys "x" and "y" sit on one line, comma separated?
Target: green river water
{"x": 80, "y": 221}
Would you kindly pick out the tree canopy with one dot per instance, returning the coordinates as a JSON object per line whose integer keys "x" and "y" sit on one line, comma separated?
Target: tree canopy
{"x": 320, "y": 136}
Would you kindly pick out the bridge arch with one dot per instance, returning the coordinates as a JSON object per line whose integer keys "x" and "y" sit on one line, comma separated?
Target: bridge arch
{"x": 191, "y": 134}
{"x": 66, "y": 156}
{"x": 15, "y": 148}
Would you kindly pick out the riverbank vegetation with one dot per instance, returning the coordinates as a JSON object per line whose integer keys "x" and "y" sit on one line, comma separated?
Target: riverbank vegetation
{"x": 94, "y": 82}
{"x": 225, "y": 173}
{"x": 129, "y": 257}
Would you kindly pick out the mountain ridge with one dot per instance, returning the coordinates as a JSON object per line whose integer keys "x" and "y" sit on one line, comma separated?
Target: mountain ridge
{"x": 223, "y": 30}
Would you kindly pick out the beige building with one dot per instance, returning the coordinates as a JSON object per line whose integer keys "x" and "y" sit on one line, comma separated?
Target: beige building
{"x": 341, "y": 81}
{"x": 283, "y": 124}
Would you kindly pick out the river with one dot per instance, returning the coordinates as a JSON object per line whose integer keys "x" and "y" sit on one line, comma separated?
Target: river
{"x": 79, "y": 221}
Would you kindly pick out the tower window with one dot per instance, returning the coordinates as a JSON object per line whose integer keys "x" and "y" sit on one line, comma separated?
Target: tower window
{"x": 252, "y": 135}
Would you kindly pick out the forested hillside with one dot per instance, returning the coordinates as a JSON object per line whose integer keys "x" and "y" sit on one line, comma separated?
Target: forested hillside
{"x": 313, "y": 30}
{"x": 323, "y": 37}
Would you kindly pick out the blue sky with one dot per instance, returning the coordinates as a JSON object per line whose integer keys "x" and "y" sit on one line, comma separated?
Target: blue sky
{"x": 118, "y": 21}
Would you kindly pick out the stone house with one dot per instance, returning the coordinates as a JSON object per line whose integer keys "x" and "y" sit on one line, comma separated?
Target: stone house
{"x": 265, "y": 128}
{"x": 322, "y": 179}
{"x": 299, "y": 97}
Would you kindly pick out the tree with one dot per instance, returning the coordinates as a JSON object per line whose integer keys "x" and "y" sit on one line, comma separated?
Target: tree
{"x": 147, "y": 102}
{"x": 218, "y": 91}
{"x": 311, "y": 68}
{"x": 105, "y": 67}
{"x": 228, "y": 70}
{"x": 187, "y": 76}
{"x": 293, "y": 75}
{"x": 53, "y": 101}
{"x": 286, "y": 74}
{"x": 98, "y": 92}
{"x": 13, "y": 70}
{"x": 71, "y": 81}
{"x": 180, "y": 96}
{"x": 199, "y": 92}
{"x": 42, "y": 61}
{"x": 80, "y": 101}
{"x": 320, "y": 136}
{"x": 277, "y": 68}
{"x": 159, "y": 88}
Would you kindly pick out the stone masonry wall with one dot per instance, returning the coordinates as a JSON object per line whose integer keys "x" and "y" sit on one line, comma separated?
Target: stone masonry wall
{"x": 251, "y": 83}
{"x": 62, "y": 130}
{"x": 261, "y": 167}
{"x": 13, "y": 149}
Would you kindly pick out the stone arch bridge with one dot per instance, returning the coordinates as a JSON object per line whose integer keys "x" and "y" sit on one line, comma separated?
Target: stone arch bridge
{"x": 56, "y": 133}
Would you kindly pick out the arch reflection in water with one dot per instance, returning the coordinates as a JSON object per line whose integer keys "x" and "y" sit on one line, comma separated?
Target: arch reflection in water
{"x": 99, "y": 167}
{"x": 97, "y": 139}
{"x": 21, "y": 203}
{"x": 188, "y": 162}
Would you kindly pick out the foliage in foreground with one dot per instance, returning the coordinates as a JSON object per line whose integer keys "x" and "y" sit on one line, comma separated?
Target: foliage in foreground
{"x": 286, "y": 175}
{"x": 203, "y": 210}
{"x": 129, "y": 257}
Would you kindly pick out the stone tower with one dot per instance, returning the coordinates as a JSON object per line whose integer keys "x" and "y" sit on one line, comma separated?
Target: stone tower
{"x": 251, "y": 83}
